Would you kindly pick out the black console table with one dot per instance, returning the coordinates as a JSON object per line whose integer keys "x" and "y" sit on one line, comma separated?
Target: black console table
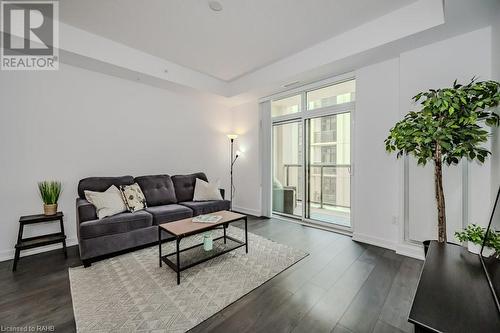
{"x": 453, "y": 294}
{"x": 32, "y": 242}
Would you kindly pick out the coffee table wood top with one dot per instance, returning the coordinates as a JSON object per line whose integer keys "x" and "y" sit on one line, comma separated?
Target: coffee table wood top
{"x": 187, "y": 227}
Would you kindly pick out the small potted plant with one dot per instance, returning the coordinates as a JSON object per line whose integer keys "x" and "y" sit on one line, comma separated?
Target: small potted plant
{"x": 50, "y": 192}
{"x": 474, "y": 236}
{"x": 493, "y": 244}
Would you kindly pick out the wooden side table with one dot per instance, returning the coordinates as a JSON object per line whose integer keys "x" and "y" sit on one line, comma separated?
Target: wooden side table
{"x": 32, "y": 242}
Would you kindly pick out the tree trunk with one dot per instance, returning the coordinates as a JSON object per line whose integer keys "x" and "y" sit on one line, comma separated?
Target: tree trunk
{"x": 438, "y": 181}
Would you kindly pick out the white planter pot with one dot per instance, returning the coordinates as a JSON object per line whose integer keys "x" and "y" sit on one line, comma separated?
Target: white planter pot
{"x": 473, "y": 248}
{"x": 487, "y": 252}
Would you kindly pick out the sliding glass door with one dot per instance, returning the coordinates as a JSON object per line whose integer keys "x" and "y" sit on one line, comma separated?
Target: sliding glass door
{"x": 329, "y": 165}
{"x": 287, "y": 168}
{"x": 311, "y": 154}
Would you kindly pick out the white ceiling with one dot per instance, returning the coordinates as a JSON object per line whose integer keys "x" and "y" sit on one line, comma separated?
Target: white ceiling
{"x": 245, "y": 36}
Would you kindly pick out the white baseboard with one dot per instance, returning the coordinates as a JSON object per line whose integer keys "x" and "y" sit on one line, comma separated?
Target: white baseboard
{"x": 311, "y": 225}
{"x": 411, "y": 250}
{"x": 404, "y": 249}
{"x": 363, "y": 238}
{"x": 247, "y": 211}
{"x": 9, "y": 254}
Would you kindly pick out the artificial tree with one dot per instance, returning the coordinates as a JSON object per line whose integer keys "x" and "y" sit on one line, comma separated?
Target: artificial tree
{"x": 448, "y": 128}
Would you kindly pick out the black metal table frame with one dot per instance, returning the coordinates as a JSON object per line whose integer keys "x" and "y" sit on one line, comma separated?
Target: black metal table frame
{"x": 177, "y": 267}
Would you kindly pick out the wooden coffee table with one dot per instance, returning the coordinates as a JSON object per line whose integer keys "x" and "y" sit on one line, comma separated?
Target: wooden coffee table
{"x": 186, "y": 227}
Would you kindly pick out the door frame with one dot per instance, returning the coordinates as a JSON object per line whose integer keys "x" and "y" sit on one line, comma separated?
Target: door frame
{"x": 267, "y": 123}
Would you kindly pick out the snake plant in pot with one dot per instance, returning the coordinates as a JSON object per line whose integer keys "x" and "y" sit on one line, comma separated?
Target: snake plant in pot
{"x": 449, "y": 127}
{"x": 50, "y": 192}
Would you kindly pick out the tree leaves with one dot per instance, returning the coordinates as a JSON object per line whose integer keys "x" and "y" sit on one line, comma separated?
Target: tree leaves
{"x": 451, "y": 118}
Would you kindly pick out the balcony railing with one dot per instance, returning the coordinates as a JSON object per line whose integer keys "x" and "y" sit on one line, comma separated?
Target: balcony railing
{"x": 322, "y": 193}
{"x": 324, "y": 136}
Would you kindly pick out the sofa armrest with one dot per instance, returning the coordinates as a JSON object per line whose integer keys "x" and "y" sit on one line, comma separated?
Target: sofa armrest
{"x": 222, "y": 192}
{"x": 85, "y": 211}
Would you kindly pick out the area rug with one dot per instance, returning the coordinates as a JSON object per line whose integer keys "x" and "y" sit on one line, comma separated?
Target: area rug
{"x": 131, "y": 293}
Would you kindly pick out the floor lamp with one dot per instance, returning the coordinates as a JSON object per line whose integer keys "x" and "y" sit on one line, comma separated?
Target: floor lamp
{"x": 232, "y": 137}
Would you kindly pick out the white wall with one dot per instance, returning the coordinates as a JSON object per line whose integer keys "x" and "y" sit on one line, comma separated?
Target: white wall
{"x": 383, "y": 96}
{"x": 377, "y": 175}
{"x": 434, "y": 66}
{"x": 72, "y": 123}
{"x": 75, "y": 123}
{"x": 495, "y": 57}
{"x": 384, "y": 93}
{"x": 247, "y": 168}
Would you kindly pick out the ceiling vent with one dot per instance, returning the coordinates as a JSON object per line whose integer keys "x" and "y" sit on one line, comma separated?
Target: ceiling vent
{"x": 288, "y": 85}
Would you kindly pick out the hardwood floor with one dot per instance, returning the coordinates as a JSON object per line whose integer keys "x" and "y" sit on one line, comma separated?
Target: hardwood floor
{"x": 342, "y": 286}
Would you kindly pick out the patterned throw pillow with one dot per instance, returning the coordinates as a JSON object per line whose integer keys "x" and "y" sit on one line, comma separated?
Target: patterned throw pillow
{"x": 133, "y": 197}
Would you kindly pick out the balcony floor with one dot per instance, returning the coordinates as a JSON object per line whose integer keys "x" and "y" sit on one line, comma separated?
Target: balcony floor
{"x": 329, "y": 214}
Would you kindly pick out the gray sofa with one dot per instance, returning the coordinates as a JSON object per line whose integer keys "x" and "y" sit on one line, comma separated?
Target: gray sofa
{"x": 168, "y": 199}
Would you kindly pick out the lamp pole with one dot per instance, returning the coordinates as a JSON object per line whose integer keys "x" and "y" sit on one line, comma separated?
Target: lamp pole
{"x": 231, "y": 188}
{"x": 233, "y": 159}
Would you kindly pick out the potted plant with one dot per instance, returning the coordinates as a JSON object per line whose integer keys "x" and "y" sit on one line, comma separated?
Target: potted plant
{"x": 448, "y": 128}
{"x": 50, "y": 192}
{"x": 493, "y": 242}
{"x": 473, "y": 235}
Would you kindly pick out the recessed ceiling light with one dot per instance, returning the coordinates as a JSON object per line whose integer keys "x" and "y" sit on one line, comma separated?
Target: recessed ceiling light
{"x": 216, "y": 6}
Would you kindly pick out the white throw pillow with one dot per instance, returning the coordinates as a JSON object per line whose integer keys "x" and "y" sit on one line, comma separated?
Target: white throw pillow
{"x": 107, "y": 203}
{"x": 204, "y": 191}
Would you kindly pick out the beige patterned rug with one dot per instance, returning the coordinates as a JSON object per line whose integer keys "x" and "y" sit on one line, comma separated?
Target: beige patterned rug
{"x": 130, "y": 293}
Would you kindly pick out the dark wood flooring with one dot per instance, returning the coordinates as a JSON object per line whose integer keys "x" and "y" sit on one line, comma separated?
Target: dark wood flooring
{"x": 342, "y": 286}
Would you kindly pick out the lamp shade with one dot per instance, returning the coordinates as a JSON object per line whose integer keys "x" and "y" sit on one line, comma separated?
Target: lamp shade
{"x": 232, "y": 136}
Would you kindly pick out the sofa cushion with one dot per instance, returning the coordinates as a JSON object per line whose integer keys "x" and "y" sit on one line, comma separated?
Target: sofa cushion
{"x": 101, "y": 184}
{"x": 158, "y": 189}
{"x": 206, "y": 207}
{"x": 184, "y": 185}
{"x": 169, "y": 213}
{"x": 116, "y": 224}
